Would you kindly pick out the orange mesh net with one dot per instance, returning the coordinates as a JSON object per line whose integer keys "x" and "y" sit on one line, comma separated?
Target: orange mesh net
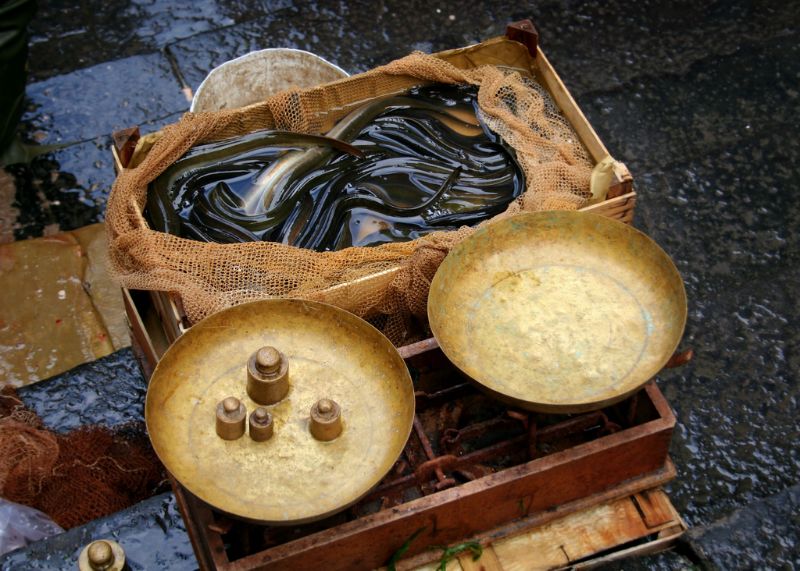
{"x": 77, "y": 477}
{"x": 209, "y": 277}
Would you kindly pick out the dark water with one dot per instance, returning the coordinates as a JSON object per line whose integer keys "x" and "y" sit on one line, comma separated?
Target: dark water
{"x": 419, "y": 163}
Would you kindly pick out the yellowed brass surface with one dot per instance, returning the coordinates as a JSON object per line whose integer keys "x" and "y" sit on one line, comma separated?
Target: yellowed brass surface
{"x": 558, "y": 311}
{"x": 291, "y": 477}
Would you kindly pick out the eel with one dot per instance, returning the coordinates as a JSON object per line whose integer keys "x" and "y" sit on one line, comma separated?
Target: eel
{"x": 404, "y": 165}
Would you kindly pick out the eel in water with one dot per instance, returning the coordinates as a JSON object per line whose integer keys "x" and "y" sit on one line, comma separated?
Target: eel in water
{"x": 396, "y": 168}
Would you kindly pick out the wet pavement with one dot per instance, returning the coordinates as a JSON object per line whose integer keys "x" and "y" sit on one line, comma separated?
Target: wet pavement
{"x": 60, "y": 307}
{"x": 144, "y": 529}
{"x": 699, "y": 99}
{"x": 80, "y": 397}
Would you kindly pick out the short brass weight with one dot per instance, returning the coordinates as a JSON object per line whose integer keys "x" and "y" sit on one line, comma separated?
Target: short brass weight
{"x": 231, "y": 414}
{"x": 326, "y": 420}
{"x": 261, "y": 425}
{"x": 267, "y": 376}
{"x": 102, "y": 555}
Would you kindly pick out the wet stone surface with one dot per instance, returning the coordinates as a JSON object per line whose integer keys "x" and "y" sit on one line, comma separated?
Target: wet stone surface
{"x": 64, "y": 189}
{"x": 98, "y": 100}
{"x": 151, "y": 533}
{"x": 598, "y": 46}
{"x": 65, "y": 37}
{"x": 715, "y": 104}
{"x": 736, "y": 403}
{"x": 676, "y": 559}
{"x": 83, "y": 396}
{"x": 336, "y": 31}
{"x": 67, "y": 188}
{"x": 758, "y": 537}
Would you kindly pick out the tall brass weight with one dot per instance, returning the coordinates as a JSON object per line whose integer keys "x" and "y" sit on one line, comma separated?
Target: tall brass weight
{"x": 267, "y": 376}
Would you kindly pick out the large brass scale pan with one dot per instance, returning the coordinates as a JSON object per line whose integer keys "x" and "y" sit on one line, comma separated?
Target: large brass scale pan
{"x": 558, "y": 312}
{"x": 291, "y": 477}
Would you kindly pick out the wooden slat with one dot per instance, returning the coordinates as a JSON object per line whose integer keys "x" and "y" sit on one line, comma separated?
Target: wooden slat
{"x": 654, "y": 507}
{"x": 573, "y": 537}
{"x": 653, "y": 546}
{"x": 626, "y": 201}
{"x": 622, "y": 182}
{"x": 452, "y": 565}
{"x": 117, "y": 162}
{"x": 617, "y": 210}
{"x": 451, "y": 515}
{"x": 124, "y": 142}
{"x": 673, "y": 529}
{"x": 175, "y": 303}
{"x": 614, "y": 211}
{"x": 534, "y": 520}
{"x": 488, "y": 561}
{"x": 525, "y": 33}
{"x": 579, "y": 540}
{"x": 167, "y": 311}
{"x": 140, "y": 338}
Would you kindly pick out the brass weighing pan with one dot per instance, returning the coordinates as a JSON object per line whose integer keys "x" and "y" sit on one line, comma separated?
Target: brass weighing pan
{"x": 558, "y": 312}
{"x": 280, "y": 466}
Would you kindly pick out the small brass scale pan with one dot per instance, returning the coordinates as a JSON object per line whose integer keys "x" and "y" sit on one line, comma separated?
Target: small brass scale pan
{"x": 280, "y": 411}
{"x": 286, "y": 411}
{"x": 558, "y": 312}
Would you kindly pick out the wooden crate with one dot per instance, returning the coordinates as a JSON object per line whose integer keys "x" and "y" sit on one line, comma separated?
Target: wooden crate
{"x": 496, "y": 509}
{"x": 619, "y": 204}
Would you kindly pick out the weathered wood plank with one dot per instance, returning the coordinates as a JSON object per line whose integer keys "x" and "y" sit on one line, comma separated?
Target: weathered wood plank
{"x": 598, "y": 529}
{"x": 654, "y": 507}
{"x": 488, "y": 561}
{"x": 573, "y": 537}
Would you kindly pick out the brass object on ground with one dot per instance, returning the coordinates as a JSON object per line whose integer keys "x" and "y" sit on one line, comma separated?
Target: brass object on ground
{"x": 267, "y": 376}
{"x": 261, "y": 425}
{"x": 102, "y": 555}
{"x": 325, "y": 421}
{"x": 231, "y": 414}
{"x": 558, "y": 312}
{"x": 292, "y": 477}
